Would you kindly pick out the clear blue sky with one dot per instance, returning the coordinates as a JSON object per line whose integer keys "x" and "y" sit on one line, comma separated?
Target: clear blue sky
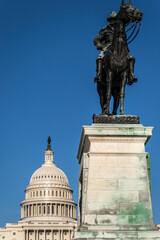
{"x": 47, "y": 67}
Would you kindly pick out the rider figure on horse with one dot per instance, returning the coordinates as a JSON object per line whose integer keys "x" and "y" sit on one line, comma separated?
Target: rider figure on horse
{"x": 103, "y": 42}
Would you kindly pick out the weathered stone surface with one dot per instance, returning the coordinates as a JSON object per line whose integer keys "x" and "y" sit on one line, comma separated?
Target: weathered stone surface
{"x": 112, "y": 172}
{"x": 114, "y": 200}
{"x": 118, "y": 235}
{"x": 129, "y": 184}
{"x": 114, "y": 160}
{"x": 102, "y": 184}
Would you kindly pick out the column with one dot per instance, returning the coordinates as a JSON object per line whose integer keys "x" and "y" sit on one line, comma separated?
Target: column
{"x": 26, "y": 234}
{"x": 28, "y": 211}
{"x": 37, "y": 235}
{"x": 23, "y": 235}
{"x": 60, "y": 210}
{"x": 34, "y": 234}
{"x": 50, "y": 209}
{"x": 55, "y": 210}
{"x": 72, "y": 211}
{"x": 32, "y": 210}
{"x": 21, "y": 212}
{"x": 24, "y": 211}
{"x": 44, "y": 234}
{"x": 68, "y": 210}
{"x": 35, "y": 210}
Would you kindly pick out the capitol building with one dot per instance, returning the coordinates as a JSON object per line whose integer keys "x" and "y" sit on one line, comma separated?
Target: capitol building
{"x": 48, "y": 211}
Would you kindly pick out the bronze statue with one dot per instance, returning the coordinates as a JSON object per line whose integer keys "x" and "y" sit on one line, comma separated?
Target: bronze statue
{"x": 115, "y": 65}
{"x": 49, "y": 144}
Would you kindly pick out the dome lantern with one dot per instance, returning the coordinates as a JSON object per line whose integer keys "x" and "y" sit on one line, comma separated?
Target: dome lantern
{"x": 49, "y": 153}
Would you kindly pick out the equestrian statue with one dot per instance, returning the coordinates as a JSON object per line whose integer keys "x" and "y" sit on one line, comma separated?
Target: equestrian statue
{"x": 115, "y": 64}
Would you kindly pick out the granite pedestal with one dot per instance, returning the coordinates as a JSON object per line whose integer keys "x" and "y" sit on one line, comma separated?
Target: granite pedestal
{"x": 114, "y": 189}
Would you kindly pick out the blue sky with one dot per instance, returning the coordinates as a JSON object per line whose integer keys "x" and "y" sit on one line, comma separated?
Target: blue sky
{"x": 47, "y": 67}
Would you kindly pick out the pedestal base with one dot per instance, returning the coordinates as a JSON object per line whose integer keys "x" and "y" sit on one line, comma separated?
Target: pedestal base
{"x": 116, "y": 119}
{"x": 117, "y": 233}
{"x": 114, "y": 183}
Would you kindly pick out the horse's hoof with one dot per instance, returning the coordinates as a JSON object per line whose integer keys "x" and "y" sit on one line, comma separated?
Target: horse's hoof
{"x": 122, "y": 113}
{"x": 114, "y": 113}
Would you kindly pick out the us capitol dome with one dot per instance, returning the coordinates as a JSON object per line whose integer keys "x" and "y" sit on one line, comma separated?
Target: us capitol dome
{"x": 48, "y": 211}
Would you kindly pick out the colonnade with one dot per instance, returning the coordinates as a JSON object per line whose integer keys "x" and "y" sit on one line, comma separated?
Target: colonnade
{"x": 49, "y": 193}
{"x": 48, "y": 234}
{"x": 48, "y": 209}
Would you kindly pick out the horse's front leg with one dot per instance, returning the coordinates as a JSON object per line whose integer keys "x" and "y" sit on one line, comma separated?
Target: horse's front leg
{"x": 122, "y": 91}
{"x": 101, "y": 90}
{"x": 108, "y": 89}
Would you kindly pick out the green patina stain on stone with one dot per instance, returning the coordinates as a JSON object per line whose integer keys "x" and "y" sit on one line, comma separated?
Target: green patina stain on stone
{"x": 137, "y": 215}
{"x": 148, "y": 158}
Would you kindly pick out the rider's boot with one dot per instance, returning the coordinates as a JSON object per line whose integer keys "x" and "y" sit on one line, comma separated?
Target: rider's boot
{"x": 99, "y": 70}
{"x": 131, "y": 76}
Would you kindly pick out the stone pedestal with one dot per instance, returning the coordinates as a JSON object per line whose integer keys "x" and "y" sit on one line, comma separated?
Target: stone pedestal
{"x": 114, "y": 190}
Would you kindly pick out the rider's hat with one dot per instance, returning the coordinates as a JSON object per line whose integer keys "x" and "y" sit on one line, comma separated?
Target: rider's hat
{"x": 113, "y": 15}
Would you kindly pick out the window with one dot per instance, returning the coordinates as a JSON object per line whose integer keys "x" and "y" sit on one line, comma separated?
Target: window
{"x": 48, "y": 193}
{"x": 52, "y": 193}
{"x": 56, "y": 193}
{"x": 37, "y": 193}
{"x": 40, "y": 193}
{"x": 60, "y": 193}
{"x": 14, "y": 233}
{"x": 44, "y": 193}
{"x": 52, "y": 209}
{"x": 44, "y": 209}
{"x": 33, "y": 194}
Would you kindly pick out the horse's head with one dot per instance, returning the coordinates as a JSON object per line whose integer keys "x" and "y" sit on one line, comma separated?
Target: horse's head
{"x": 128, "y": 13}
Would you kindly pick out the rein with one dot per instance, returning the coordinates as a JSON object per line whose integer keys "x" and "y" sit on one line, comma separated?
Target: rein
{"x": 130, "y": 27}
{"x": 133, "y": 33}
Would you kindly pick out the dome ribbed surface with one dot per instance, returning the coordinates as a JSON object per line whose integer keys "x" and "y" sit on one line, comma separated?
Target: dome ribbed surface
{"x": 49, "y": 173}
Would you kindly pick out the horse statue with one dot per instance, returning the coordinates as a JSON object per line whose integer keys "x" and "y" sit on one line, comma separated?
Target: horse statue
{"x": 118, "y": 64}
